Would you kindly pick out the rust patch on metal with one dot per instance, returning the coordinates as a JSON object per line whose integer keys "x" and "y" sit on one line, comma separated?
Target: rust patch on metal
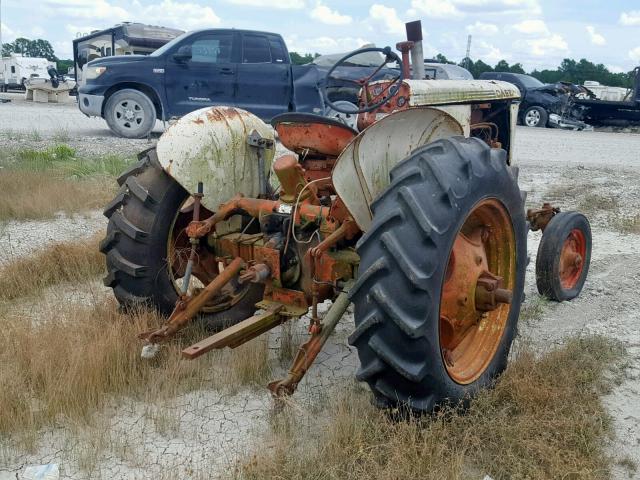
{"x": 314, "y": 137}
{"x": 539, "y": 218}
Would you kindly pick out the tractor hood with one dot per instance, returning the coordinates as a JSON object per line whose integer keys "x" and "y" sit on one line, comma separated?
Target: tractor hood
{"x": 442, "y": 92}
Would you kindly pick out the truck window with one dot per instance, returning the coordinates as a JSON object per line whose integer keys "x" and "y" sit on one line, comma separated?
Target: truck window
{"x": 278, "y": 54}
{"x": 255, "y": 49}
{"x": 212, "y": 49}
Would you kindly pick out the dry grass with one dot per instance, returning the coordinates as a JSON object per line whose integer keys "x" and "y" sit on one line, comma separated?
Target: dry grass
{"x": 39, "y": 195}
{"x": 76, "y": 359}
{"x": 68, "y": 359}
{"x": 593, "y": 203}
{"x": 37, "y": 184}
{"x": 627, "y": 224}
{"x": 543, "y": 420}
{"x": 57, "y": 263}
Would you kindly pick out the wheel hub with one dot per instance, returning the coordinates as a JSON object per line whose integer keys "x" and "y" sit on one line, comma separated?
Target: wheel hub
{"x": 572, "y": 258}
{"x": 477, "y": 291}
{"x": 533, "y": 117}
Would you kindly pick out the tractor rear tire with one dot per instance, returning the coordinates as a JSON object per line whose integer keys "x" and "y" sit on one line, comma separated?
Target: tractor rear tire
{"x": 404, "y": 259}
{"x": 568, "y": 234}
{"x": 136, "y": 246}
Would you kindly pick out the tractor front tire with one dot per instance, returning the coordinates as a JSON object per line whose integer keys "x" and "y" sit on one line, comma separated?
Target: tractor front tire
{"x": 564, "y": 255}
{"x": 141, "y": 217}
{"x": 405, "y": 261}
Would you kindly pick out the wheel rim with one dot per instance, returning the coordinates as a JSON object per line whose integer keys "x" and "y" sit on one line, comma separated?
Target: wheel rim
{"x": 574, "y": 250}
{"x": 476, "y": 291}
{"x": 532, "y": 118}
{"x": 129, "y": 114}
{"x": 207, "y": 268}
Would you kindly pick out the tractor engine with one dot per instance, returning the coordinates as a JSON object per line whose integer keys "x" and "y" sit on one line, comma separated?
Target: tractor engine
{"x": 288, "y": 243}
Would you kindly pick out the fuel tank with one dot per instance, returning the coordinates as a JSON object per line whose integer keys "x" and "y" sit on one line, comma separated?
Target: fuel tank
{"x": 210, "y": 146}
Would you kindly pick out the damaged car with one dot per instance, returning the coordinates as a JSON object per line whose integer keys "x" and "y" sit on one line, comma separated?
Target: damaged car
{"x": 544, "y": 105}
{"x": 611, "y": 113}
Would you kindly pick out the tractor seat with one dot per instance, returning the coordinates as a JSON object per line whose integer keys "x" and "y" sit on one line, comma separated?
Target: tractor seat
{"x": 305, "y": 132}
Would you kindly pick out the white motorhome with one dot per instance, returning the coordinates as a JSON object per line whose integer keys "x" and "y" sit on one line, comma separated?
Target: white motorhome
{"x": 17, "y": 69}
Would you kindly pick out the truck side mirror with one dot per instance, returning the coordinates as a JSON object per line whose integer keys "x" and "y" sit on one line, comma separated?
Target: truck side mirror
{"x": 183, "y": 54}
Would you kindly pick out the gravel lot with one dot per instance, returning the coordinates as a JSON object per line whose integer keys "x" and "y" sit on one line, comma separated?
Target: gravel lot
{"x": 37, "y": 125}
{"x": 577, "y": 170}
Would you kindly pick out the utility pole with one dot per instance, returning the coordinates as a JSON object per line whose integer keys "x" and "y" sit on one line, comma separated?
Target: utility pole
{"x": 467, "y": 57}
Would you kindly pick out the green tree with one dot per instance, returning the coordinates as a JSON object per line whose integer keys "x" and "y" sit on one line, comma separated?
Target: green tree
{"x": 30, "y": 48}
{"x": 440, "y": 58}
{"x": 476, "y": 68}
{"x": 502, "y": 66}
{"x": 298, "y": 59}
{"x": 63, "y": 66}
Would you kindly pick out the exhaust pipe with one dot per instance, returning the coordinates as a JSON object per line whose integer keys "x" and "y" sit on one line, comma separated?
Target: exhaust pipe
{"x": 414, "y": 34}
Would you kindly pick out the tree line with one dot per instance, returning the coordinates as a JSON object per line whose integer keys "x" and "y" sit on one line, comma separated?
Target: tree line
{"x": 569, "y": 70}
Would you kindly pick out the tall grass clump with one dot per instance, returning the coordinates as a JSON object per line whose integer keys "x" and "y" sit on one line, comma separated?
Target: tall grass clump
{"x": 544, "y": 419}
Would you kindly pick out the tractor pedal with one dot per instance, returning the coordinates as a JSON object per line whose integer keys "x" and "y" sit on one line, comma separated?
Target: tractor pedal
{"x": 237, "y": 334}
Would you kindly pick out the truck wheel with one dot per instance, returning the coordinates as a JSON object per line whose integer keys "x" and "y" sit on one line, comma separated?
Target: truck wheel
{"x": 433, "y": 326}
{"x": 146, "y": 248}
{"x": 535, "y": 117}
{"x": 563, "y": 257}
{"x": 130, "y": 114}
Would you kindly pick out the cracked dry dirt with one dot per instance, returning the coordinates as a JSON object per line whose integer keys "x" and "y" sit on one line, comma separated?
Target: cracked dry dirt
{"x": 201, "y": 434}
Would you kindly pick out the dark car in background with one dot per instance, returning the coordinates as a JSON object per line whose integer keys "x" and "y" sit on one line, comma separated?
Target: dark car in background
{"x": 542, "y": 105}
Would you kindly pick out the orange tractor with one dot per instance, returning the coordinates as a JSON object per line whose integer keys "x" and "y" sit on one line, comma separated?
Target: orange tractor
{"x": 415, "y": 216}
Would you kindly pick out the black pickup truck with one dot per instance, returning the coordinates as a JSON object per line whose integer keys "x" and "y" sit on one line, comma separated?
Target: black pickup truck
{"x": 247, "y": 69}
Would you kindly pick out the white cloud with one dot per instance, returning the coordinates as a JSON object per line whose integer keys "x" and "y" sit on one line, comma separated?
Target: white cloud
{"x": 281, "y": 4}
{"x": 89, "y": 9}
{"x": 551, "y": 45}
{"x": 483, "y": 29}
{"x": 324, "y": 14}
{"x": 532, "y": 27}
{"x": 8, "y": 35}
{"x": 436, "y": 8}
{"x": 324, "y": 44}
{"x": 183, "y": 15}
{"x": 634, "y": 54}
{"x": 460, "y": 8}
{"x": 499, "y": 7}
{"x": 630, "y": 19}
{"x": 488, "y": 52}
{"x": 168, "y": 13}
{"x": 62, "y": 49}
{"x": 595, "y": 37}
{"x": 388, "y": 18}
{"x": 616, "y": 69}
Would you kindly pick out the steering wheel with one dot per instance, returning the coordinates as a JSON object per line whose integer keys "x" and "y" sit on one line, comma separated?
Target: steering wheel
{"x": 393, "y": 88}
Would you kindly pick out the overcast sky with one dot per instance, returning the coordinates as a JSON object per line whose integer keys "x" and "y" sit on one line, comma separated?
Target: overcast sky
{"x": 537, "y": 33}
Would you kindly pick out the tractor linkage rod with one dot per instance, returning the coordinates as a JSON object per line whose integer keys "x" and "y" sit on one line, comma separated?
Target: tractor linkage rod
{"x": 309, "y": 350}
{"x": 187, "y": 307}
